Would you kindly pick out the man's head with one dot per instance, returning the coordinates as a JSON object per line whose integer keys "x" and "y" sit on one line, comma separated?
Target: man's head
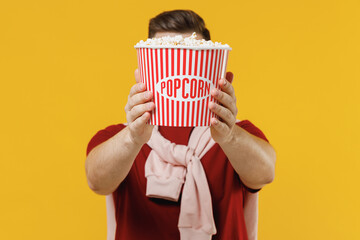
{"x": 178, "y": 21}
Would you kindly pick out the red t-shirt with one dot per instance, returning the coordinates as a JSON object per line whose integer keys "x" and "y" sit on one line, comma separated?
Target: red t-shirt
{"x": 141, "y": 217}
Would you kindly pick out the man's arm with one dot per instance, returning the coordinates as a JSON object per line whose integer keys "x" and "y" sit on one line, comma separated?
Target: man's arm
{"x": 108, "y": 164}
{"x": 252, "y": 158}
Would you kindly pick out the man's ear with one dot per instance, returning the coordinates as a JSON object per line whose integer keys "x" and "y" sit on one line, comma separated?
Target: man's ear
{"x": 229, "y": 76}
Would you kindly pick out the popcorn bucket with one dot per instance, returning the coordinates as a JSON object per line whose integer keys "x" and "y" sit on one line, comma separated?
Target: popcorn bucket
{"x": 181, "y": 79}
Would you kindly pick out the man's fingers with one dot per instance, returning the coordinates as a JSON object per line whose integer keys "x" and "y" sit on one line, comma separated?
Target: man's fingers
{"x": 140, "y": 122}
{"x": 225, "y": 84}
{"x": 227, "y": 87}
{"x": 137, "y": 88}
{"x": 229, "y": 76}
{"x": 225, "y": 114}
{"x": 218, "y": 125}
{"x": 137, "y": 76}
{"x": 139, "y": 110}
{"x": 138, "y": 99}
{"x": 225, "y": 99}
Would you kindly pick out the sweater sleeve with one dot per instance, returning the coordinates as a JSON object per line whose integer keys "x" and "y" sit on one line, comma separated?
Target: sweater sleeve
{"x": 252, "y": 129}
{"x": 103, "y": 135}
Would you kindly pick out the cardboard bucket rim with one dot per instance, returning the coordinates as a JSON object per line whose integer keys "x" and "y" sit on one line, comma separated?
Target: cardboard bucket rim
{"x": 186, "y": 47}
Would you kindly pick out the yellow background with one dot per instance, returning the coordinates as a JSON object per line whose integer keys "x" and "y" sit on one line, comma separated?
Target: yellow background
{"x": 66, "y": 68}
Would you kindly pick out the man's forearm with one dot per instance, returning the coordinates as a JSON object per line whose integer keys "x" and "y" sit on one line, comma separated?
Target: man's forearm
{"x": 108, "y": 163}
{"x": 252, "y": 158}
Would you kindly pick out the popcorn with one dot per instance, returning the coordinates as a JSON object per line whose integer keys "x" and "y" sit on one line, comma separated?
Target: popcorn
{"x": 180, "y": 41}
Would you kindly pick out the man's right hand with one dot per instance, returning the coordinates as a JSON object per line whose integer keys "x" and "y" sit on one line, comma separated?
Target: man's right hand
{"x": 138, "y": 110}
{"x": 108, "y": 164}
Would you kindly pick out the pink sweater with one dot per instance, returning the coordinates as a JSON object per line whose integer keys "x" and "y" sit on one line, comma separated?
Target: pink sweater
{"x": 170, "y": 167}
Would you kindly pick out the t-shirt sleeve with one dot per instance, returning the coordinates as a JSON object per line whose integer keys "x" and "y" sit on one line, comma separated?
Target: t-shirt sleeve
{"x": 252, "y": 129}
{"x": 103, "y": 135}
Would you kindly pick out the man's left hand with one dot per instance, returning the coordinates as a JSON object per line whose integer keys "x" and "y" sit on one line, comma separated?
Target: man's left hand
{"x": 222, "y": 128}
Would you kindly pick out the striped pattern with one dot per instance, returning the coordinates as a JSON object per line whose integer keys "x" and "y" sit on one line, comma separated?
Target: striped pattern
{"x": 166, "y": 64}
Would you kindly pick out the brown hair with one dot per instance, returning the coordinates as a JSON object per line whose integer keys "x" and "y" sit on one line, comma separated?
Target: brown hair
{"x": 178, "y": 21}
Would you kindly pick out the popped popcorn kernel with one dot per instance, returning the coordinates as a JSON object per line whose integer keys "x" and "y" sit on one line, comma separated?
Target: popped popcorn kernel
{"x": 180, "y": 41}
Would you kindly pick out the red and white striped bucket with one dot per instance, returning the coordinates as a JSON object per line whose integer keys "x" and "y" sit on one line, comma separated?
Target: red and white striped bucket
{"x": 181, "y": 79}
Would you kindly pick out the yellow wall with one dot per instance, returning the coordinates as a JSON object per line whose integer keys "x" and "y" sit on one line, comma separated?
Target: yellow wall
{"x": 66, "y": 68}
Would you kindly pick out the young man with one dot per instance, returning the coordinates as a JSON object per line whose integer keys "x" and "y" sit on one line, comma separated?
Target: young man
{"x": 239, "y": 163}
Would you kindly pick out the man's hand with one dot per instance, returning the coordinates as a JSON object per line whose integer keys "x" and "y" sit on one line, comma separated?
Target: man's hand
{"x": 109, "y": 163}
{"x": 252, "y": 158}
{"x": 138, "y": 110}
{"x": 222, "y": 129}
